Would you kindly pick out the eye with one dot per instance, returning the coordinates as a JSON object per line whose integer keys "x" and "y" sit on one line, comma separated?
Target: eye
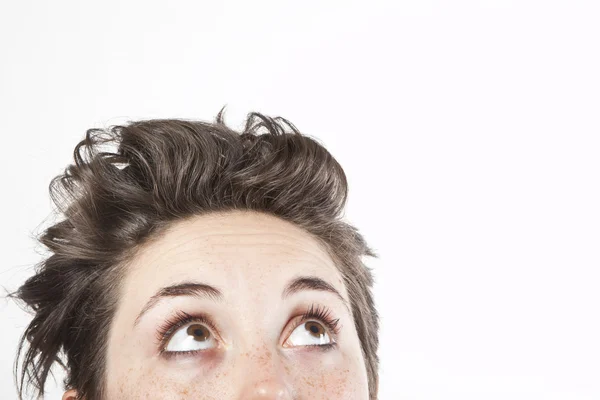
{"x": 309, "y": 333}
{"x": 191, "y": 337}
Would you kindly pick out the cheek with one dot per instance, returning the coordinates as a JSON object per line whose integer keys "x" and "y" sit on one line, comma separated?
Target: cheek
{"x": 334, "y": 377}
{"x": 314, "y": 377}
{"x": 170, "y": 384}
{"x": 134, "y": 372}
{"x": 332, "y": 384}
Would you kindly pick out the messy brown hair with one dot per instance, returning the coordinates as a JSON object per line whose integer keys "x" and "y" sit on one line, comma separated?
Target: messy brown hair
{"x": 163, "y": 171}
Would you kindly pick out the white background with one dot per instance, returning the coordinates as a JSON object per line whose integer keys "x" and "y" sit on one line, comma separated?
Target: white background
{"x": 469, "y": 131}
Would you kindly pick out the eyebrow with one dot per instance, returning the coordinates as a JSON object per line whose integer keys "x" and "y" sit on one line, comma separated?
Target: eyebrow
{"x": 311, "y": 283}
{"x": 194, "y": 289}
{"x": 203, "y": 290}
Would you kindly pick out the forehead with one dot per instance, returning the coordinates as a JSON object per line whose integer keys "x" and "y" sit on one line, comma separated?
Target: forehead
{"x": 238, "y": 246}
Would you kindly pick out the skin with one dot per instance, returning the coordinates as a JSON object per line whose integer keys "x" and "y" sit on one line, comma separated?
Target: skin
{"x": 250, "y": 258}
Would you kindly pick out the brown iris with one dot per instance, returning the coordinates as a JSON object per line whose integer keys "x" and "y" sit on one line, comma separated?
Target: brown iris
{"x": 315, "y": 329}
{"x": 199, "y": 332}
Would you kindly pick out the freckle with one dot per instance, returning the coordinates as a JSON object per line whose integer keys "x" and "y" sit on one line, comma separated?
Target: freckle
{"x": 309, "y": 382}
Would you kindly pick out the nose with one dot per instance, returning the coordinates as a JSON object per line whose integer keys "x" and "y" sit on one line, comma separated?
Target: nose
{"x": 264, "y": 377}
{"x": 269, "y": 389}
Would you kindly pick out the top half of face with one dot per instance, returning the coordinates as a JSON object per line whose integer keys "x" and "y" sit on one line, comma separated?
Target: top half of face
{"x": 233, "y": 306}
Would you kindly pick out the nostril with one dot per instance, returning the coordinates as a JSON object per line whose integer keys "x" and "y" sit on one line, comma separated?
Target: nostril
{"x": 272, "y": 389}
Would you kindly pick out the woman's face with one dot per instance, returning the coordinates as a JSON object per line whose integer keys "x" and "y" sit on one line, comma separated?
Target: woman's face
{"x": 240, "y": 306}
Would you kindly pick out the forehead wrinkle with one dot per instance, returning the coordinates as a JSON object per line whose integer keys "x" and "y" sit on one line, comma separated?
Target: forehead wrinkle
{"x": 208, "y": 246}
{"x": 203, "y": 240}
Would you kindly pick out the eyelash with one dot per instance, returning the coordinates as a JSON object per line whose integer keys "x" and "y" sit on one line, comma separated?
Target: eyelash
{"x": 181, "y": 318}
{"x": 170, "y": 326}
{"x": 323, "y": 314}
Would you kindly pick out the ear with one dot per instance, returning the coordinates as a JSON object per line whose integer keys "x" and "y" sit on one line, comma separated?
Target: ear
{"x": 70, "y": 395}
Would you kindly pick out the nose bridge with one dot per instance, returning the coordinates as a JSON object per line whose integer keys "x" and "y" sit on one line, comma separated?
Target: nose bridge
{"x": 260, "y": 367}
{"x": 263, "y": 374}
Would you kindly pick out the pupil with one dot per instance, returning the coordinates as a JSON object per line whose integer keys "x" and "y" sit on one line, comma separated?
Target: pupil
{"x": 314, "y": 328}
{"x": 198, "y": 332}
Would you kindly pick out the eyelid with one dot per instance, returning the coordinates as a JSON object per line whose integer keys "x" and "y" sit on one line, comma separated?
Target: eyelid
{"x": 181, "y": 319}
{"x": 321, "y": 314}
